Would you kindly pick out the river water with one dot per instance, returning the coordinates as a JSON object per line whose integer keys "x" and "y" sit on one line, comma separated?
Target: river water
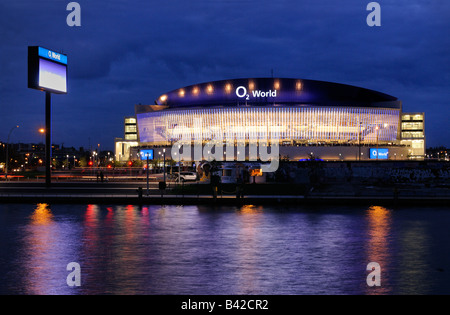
{"x": 223, "y": 250}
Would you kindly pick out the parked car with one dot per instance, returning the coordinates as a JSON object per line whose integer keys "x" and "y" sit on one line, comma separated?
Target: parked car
{"x": 186, "y": 176}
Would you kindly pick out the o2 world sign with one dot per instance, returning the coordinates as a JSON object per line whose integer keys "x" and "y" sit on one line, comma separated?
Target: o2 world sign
{"x": 379, "y": 154}
{"x": 47, "y": 70}
{"x": 241, "y": 92}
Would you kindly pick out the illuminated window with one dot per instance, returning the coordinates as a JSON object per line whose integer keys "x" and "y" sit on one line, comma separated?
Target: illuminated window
{"x": 415, "y": 117}
{"x": 130, "y": 128}
{"x": 417, "y": 144}
{"x": 132, "y": 136}
{"x": 412, "y": 126}
{"x": 413, "y": 134}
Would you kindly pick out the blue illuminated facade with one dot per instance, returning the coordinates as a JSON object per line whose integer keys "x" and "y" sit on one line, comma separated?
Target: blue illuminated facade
{"x": 299, "y": 112}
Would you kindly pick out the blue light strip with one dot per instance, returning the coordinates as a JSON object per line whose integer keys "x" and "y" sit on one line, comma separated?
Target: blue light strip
{"x": 51, "y": 55}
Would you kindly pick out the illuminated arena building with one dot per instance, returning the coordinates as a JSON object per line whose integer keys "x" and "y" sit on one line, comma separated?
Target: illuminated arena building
{"x": 324, "y": 120}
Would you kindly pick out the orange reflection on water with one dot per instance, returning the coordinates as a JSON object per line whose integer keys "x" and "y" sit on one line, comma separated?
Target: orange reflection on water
{"x": 42, "y": 215}
{"x": 39, "y": 243}
{"x": 250, "y": 209}
{"x": 378, "y": 249}
{"x": 248, "y": 251}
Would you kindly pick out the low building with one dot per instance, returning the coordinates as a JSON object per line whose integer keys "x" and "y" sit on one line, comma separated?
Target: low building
{"x": 124, "y": 146}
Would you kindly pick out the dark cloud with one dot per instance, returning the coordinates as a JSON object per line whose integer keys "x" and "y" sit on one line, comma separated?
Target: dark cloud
{"x": 129, "y": 52}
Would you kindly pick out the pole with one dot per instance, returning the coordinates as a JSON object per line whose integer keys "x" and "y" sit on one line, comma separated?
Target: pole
{"x": 179, "y": 172}
{"x": 7, "y": 152}
{"x": 48, "y": 139}
{"x": 147, "y": 177}
{"x": 7, "y": 158}
{"x": 359, "y": 142}
{"x": 164, "y": 165}
{"x": 377, "y": 143}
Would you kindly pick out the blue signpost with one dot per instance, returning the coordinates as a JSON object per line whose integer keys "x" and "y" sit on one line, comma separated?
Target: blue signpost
{"x": 47, "y": 72}
{"x": 147, "y": 155}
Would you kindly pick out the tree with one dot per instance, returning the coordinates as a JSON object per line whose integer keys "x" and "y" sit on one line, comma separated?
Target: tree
{"x": 83, "y": 161}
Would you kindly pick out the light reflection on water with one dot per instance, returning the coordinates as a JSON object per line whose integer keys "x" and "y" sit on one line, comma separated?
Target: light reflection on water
{"x": 222, "y": 250}
{"x": 378, "y": 246}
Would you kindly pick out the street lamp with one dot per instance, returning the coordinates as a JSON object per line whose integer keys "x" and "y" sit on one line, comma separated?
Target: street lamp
{"x": 162, "y": 185}
{"x": 147, "y": 154}
{"x": 94, "y": 158}
{"x": 42, "y": 132}
{"x": 164, "y": 151}
{"x": 359, "y": 141}
{"x": 377, "y": 140}
{"x": 7, "y": 152}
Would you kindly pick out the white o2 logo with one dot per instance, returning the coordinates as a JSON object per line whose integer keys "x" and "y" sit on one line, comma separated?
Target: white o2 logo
{"x": 241, "y": 92}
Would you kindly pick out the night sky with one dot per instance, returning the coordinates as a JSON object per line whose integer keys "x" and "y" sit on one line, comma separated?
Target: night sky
{"x": 131, "y": 52}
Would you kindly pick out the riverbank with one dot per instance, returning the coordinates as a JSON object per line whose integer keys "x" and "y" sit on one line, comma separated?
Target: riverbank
{"x": 255, "y": 194}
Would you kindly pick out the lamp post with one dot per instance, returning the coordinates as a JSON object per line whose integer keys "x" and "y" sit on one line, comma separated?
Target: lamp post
{"x": 164, "y": 165}
{"x": 147, "y": 155}
{"x": 42, "y": 132}
{"x": 98, "y": 155}
{"x": 7, "y": 152}
{"x": 147, "y": 175}
{"x": 359, "y": 142}
{"x": 162, "y": 185}
{"x": 377, "y": 140}
{"x": 179, "y": 170}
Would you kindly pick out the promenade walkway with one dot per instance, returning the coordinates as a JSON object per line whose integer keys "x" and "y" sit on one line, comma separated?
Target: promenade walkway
{"x": 128, "y": 193}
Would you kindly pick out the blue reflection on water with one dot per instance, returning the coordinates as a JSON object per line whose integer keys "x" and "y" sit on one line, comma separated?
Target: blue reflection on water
{"x": 222, "y": 250}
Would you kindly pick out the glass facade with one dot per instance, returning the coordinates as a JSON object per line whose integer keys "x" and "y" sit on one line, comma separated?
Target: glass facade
{"x": 302, "y": 124}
